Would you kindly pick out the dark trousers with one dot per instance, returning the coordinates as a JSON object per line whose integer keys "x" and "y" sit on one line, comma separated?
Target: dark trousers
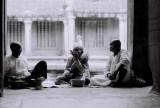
{"x": 40, "y": 70}
{"x": 117, "y": 77}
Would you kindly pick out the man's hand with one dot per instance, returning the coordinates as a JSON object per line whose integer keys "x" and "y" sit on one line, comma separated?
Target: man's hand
{"x": 66, "y": 72}
{"x": 107, "y": 75}
{"x": 75, "y": 54}
{"x": 27, "y": 74}
{"x": 112, "y": 76}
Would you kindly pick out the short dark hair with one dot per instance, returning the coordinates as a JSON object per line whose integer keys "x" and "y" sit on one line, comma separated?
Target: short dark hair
{"x": 78, "y": 47}
{"x": 15, "y": 45}
{"x": 115, "y": 42}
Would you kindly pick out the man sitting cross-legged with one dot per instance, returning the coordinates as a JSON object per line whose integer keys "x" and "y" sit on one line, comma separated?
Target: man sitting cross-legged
{"x": 77, "y": 67}
{"x": 17, "y": 73}
{"x": 117, "y": 72}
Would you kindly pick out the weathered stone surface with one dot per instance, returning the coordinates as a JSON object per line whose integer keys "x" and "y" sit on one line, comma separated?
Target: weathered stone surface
{"x": 80, "y": 98}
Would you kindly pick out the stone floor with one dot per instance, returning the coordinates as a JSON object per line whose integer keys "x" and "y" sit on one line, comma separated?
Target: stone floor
{"x": 82, "y": 97}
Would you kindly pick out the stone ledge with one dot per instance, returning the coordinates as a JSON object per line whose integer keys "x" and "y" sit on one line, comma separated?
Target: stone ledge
{"x": 58, "y": 63}
{"x": 55, "y": 66}
{"x": 92, "y": 57}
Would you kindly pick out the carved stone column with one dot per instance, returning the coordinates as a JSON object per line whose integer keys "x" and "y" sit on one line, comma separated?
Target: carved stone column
{"x": 66, "y": 38}
{"x": 123, "y": 30}
{"x": 71, "y": 30}
{"x": 130, "y": 25}
{"x": 28, "y": 44}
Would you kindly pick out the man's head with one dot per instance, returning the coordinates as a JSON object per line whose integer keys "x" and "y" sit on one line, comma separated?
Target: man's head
{"x": 115, "y": 46}
{"x": 16, "y": 48}
{"x": 79, "y": 50}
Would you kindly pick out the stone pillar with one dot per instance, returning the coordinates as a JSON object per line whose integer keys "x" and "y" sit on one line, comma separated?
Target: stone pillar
{"x": 130, "y": 22}
{"x": 66, "y": 38}
{"x": 123, "y": 30}
{"x": 2, "y": 40}
{"x": 28, "y": 44}
{"x": 140, "y": 61}
{"x": 71, "y": 30}
{"x": 154, "y": 43}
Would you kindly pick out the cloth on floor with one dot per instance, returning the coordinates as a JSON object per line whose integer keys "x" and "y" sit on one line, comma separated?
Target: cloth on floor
{"x": 99, "y": 80}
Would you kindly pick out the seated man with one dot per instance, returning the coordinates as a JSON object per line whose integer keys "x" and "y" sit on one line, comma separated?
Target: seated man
{"x": 77, "y": 67}
{"x": 16, "y": 69}
{"x": 117, "y": 72}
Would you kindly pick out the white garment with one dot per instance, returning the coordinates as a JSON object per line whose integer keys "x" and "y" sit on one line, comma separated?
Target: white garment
{"x": 16, "y": 66}
{"x": 123, "y": 57}
{"x": 99, "y": 80}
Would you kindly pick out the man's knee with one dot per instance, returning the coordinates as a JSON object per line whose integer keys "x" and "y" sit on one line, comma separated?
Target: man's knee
{"x": 40, "y": 69}
{"x": 42, "y": 63}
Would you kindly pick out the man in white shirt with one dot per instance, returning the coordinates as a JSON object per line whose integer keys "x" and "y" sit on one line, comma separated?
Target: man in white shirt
{"x": 117, "y": 71}
{"x": 16, "y": 67}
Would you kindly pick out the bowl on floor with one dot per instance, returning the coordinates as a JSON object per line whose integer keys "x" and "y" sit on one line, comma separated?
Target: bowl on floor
{"x": 77, "y": 82}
